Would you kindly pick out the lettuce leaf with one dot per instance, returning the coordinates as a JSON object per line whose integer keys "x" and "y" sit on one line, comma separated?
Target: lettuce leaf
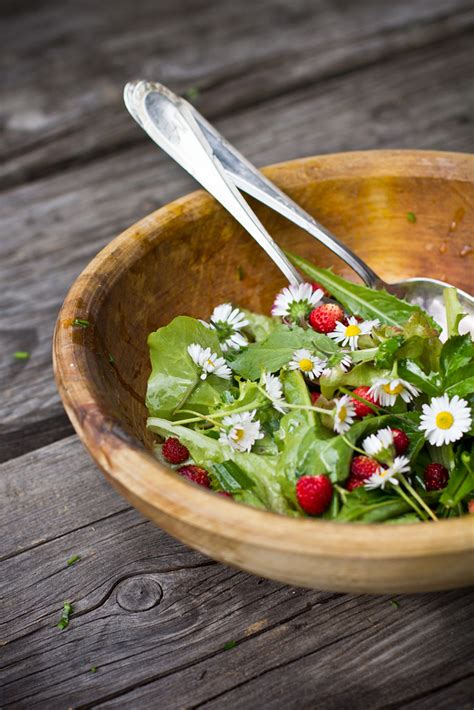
{"x": 174, "y": 378}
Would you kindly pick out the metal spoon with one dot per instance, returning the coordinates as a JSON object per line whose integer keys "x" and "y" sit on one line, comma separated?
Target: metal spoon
{"x": 197, "y": 146}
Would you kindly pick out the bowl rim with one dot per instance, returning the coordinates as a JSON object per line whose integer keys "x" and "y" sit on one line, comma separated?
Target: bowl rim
{"x": 154, "y": 488}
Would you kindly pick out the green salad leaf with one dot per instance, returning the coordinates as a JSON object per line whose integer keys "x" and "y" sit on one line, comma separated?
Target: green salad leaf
{"x": 175, "y": 379}
{"x": 277, "y": 350}
{"x": 461, "y": 481}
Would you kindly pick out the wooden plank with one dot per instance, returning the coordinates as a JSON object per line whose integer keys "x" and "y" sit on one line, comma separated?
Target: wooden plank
{"x": 54, "y": 119}
{"x": 54, "y": 226}
{"x": 155, "y": 617}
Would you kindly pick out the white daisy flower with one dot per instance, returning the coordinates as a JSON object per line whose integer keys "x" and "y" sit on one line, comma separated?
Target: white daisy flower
{"x": 228, "y": 321}
{"x": 466, "y": 325}
{"x": 445, "y": 420}
{"x": 296, "y": 301}
{"x": 309, "y": 364}
{"x": 344, "y": 414}
{"x": 336, "y": 362}
{"x": 401, "y": 464}
{"x": 386, "y": 391}
{"x": 274, "y": 389}
{"x": 378, "y": 444}
{"x": 243, "y": 431}
{"x": 349, "y": 334}
{"x": 209, "y": 362}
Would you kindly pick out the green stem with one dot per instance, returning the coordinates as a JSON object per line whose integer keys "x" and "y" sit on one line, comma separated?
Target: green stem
{"x": 287, "y": 405}
{"x": 411, "y": 503}
{"x": 186, "y": 395}
{"x": 418, "y": 498}
{"x": 353, "y": 446}
{"x": 197, "y": 418}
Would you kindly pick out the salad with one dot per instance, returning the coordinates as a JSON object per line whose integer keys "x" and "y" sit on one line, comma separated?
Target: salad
{"x": 344, "y": 403}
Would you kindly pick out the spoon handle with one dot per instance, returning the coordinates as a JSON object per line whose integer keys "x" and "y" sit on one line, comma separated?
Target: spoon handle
{"x": 170, "y": 123}
{"x": 249, "y": 179}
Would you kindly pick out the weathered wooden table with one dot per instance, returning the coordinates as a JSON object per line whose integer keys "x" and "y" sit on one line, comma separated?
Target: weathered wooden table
{"x": 155, "y": 624}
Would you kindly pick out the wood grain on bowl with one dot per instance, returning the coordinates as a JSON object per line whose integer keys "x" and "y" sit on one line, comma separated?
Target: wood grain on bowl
{"x": 190, "y": 255}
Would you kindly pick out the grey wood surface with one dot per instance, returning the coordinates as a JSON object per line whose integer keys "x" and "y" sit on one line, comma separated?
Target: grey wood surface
{"x": 282, "y": 79}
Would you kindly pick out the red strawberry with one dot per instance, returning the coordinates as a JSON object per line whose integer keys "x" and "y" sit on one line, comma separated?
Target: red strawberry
{"x": 361, "y": 409}
{"x": 470, "y": 506}
{"x": 174, "y": 451}
{"x": 323, "y": 319}
{"x": 400, "y": 441}
{"x": 314, "y": 397}
{"x": 353, "y": 483}
{"x": 224, "y": 494}
{"x": 196, "y": 474}
{"x": 436, "y": 477}
{"x": 317, "y": 285}
{"x": 314, "y": 493}
{"x": 363, "y": 467}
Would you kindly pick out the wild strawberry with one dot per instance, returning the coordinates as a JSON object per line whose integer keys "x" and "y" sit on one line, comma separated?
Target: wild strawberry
{"x": 361, "y": 409}
{"x": 323, "y": 319}
{"x": 317, "y": 285}
{"x": 436, "y": 477}
{"x": 314, "y": 397}
{"x": 196, "y": 474}
{"x": 224, "y": 494}
{"x": 174, "y": 451}
{"x": 363, "y": 467}
{"x": 353, "y": 483}
{"x": 314, "y": 493}
{"x": 470, "y": 506}
{"x": 400, "y": 441}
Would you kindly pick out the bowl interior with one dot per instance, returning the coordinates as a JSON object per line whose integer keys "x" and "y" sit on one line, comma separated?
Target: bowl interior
{"x": 190, "y": 256}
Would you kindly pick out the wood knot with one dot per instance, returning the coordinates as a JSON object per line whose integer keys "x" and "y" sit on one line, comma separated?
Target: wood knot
{"x": 139, "y": 593}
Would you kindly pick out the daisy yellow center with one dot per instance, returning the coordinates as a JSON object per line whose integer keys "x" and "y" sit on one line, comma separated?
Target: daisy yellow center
{"x": 212, "y": 364}
{"x": 352, "y": 330}
{"x": 342, "y": 414}
{"x": 392, "y": 390}
{"x": 238, "y": 434}
{"x": 306, "y": 364}
{"x": 444, "y": 420}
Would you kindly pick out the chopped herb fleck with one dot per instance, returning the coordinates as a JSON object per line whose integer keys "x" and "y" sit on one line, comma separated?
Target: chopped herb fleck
{"x": 81, "y": 322}
{"x": 64, "y": 620}
{"x": 395, "y": 603}
{"x": 240, "y": 273}
{"x": 94, "y": 669}
{"x": 72, "y": 560}
{"x": 191, "y": 93}
{"x": 229, "y": 645}
{"x": 411, "y": 217}
{"x": 21, "y": 355}
{"x": 111, "y": 359}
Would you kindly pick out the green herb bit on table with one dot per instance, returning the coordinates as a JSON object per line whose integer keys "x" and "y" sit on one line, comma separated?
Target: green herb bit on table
{"x": 343, "y": 402}
{"x": 72, "y": 560}
{"x": 81, "y": 322}
{"x": 66, "y": 613}
{"x": 411, "y": 217}
{"x": 21, "y": 355}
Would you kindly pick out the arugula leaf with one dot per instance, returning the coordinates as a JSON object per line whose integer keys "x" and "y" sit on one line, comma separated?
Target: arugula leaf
{"x": 429, "y": 384}
{"x": 277, "y": 350}
{"x": 365, "y": 506}
{"x": 364, "y": 301}
{"x": 461, "y": 481}
{"x": 229, "y": 477}
{"x": 174, "y": 378}
{"x": 456, "y": 353}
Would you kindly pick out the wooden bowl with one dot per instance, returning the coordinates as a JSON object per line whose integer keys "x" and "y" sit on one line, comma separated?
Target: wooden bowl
{"x": 184, "y": 259}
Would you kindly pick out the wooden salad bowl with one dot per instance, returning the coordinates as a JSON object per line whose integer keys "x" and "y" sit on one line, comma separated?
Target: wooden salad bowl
{"x": 191, "y": 255}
